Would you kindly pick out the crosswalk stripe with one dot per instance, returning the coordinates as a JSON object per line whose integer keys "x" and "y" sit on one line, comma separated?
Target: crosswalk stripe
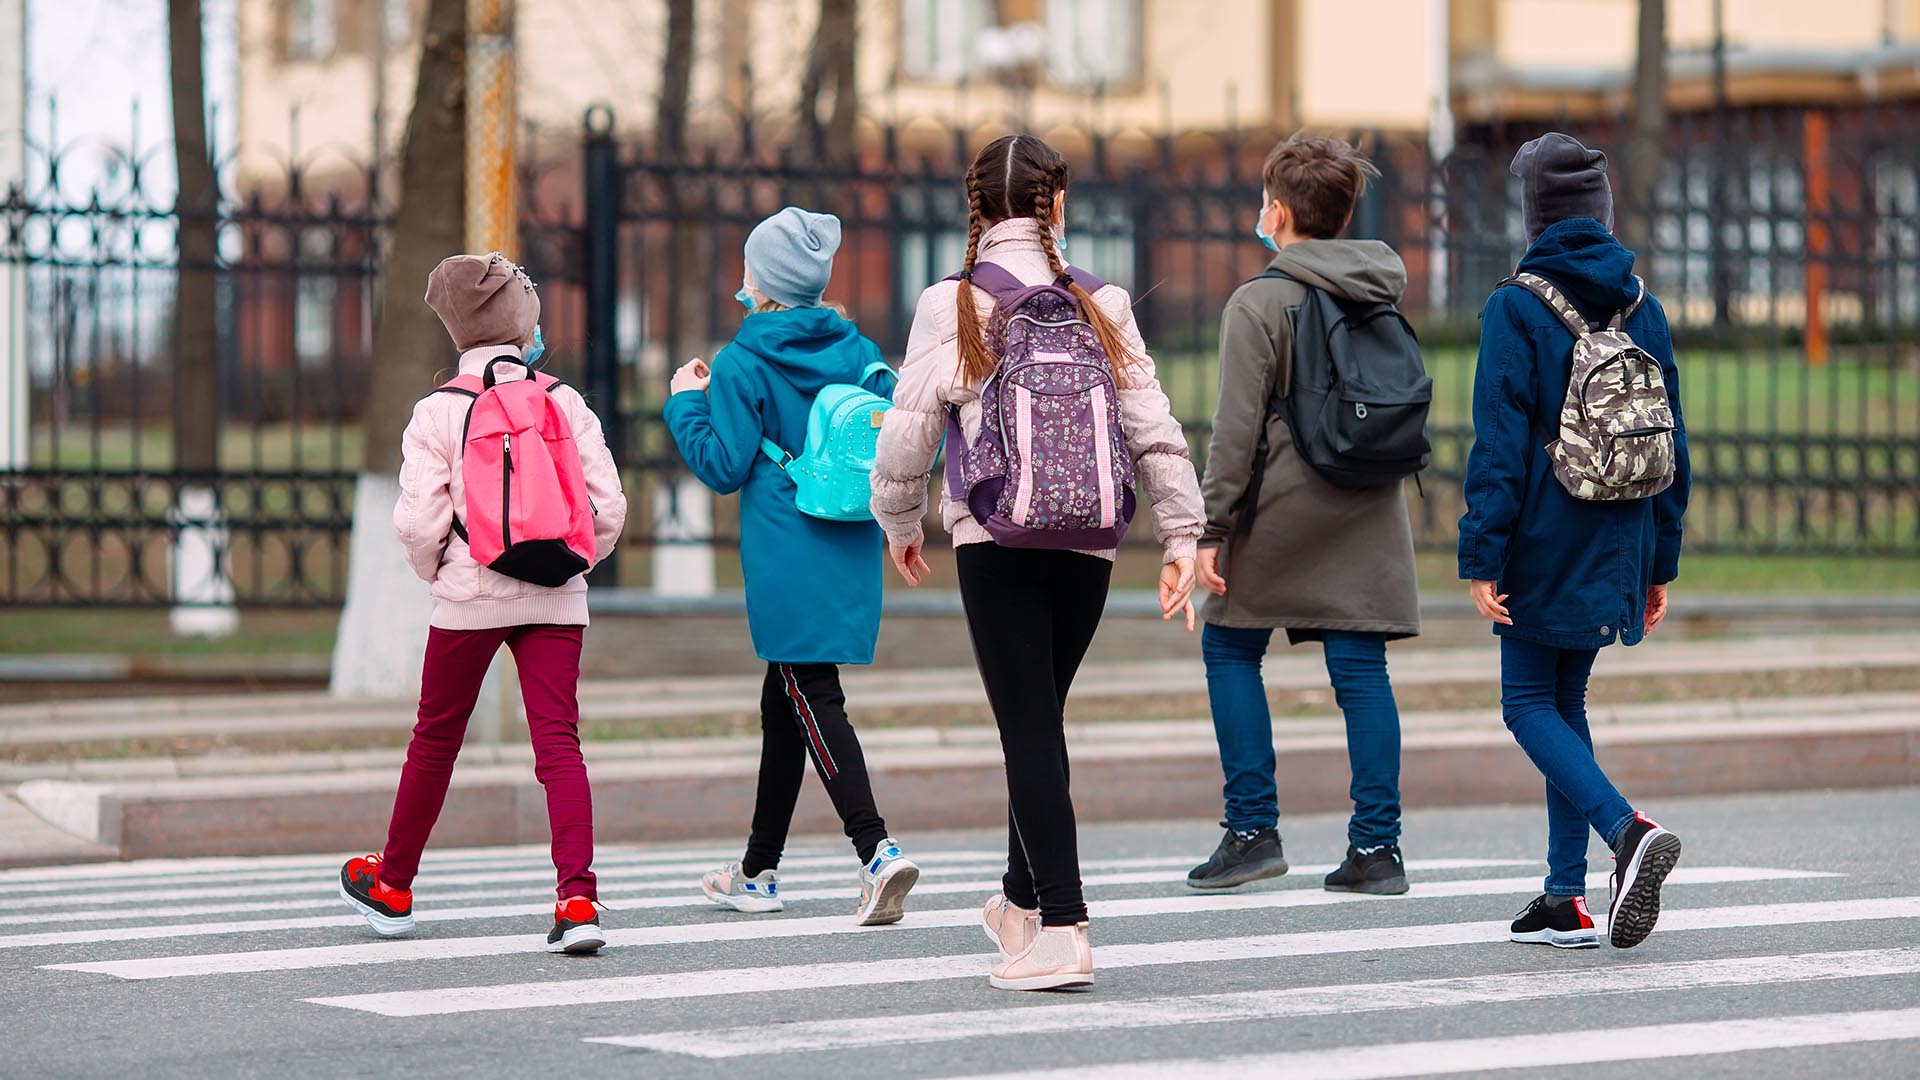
{"x": 734, "y": 929}
{"x": 1446, "y": 1056}
{"x": 526, "y": 866}
{"x": 735, "y": 980}
{"x": 862, "y": 1032}
{"x": 618, "y": 901}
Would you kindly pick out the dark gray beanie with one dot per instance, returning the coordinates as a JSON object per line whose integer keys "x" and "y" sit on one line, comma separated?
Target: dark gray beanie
{"x": 1561, "y": 179}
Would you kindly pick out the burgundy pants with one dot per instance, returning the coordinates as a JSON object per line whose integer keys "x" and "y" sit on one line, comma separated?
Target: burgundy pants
{"x": 548, "y": 660}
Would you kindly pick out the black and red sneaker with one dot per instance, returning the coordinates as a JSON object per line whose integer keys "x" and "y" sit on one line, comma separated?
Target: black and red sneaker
{"x": 576, "y": 928}
{"x": 1643, "y": 855}
{"x": 1563, "y": 925}
{"x": 388, "y": 911}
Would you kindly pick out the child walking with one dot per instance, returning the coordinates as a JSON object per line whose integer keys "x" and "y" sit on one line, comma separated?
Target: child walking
{"x": 813, "y": 585}
{"x": 492, "y": 312}
{"x": 1286, "y": 548}
{"x": 1061, "y": 375}
{"x": 1575, "y": 490}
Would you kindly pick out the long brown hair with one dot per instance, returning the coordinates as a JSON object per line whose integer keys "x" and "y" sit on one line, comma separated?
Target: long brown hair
{"x": 1021, "y": 176}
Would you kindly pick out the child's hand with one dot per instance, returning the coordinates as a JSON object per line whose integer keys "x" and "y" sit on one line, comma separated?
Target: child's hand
{"x": 1176, "y": 590}
{"x": 693, "y": 375}
{"x": 1209, "y": 570}
{"x": 1656, "y": 606}
{"x": 913, "y": 569}
{"x": 1491, "y": 606}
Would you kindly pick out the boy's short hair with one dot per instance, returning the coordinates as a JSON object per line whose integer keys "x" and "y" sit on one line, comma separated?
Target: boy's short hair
{"x": 1319, "y": 179}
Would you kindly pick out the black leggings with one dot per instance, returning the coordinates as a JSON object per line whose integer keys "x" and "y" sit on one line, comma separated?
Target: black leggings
{"x": 1032, "y": 614}
{"x": 803, "y": 713}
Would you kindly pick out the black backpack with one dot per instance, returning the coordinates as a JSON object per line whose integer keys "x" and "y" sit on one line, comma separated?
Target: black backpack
{"x": 1358, "y": 402}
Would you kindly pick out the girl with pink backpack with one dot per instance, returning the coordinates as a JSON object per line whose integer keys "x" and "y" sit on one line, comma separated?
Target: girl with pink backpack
{"x": 1036, "y": 375}
{"x": 508, "y": 494}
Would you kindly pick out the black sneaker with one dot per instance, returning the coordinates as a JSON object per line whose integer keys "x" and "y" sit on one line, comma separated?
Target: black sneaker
{"x": 1563, "y": 926}
{"x": 1378, "y": 870}
{"x": 1642, "y": 858}
{"x": 1238, "y": 861}
{"x": 576, "y": 928}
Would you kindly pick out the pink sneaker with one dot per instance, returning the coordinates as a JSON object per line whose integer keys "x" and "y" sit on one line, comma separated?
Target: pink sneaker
{"x": 1058, "y": 956}
{"x": 1010, "y": 927}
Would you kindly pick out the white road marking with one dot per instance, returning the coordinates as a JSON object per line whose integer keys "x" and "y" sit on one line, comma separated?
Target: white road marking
{"x": 1446, "y": 1056}
{"x": 735, "y": 980}
{"x": 856, "y": 1032}
{"x": 687, "y": 897}
{"x": 738, "y": 927}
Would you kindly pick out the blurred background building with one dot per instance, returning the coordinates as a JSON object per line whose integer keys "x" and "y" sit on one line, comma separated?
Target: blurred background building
{"x": 1766, "y": 157}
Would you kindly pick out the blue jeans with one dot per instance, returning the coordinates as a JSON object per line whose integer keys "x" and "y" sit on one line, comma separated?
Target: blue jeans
{"x": 1243, "y": 725}
{"x": 1543, "y": 695}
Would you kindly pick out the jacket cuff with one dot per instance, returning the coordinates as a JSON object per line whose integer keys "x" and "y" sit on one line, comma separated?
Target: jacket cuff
{"x": 1177, "y": 548}
{"x": 1666, "y": 567}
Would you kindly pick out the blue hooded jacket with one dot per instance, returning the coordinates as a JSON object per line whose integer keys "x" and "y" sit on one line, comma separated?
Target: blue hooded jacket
{"x": 1576, "y": 572}
{"x": 813, "y": 586}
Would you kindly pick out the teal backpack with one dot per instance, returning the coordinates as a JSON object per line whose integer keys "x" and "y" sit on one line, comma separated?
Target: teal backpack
{"x": 830, "y": 477}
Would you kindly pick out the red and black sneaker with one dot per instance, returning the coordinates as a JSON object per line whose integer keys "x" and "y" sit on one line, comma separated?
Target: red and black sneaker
{"x": 1559, "y": 921}
{"x": 1643, "y": 856}
{"x": 388, "y": 911}
{"x": 576, "y": 928}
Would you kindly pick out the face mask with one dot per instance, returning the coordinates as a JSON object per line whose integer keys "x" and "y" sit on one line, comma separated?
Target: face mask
{"x": 1260, "y": 231}
{"x": 534, "y": 351}
{"x": 745, "y": 296}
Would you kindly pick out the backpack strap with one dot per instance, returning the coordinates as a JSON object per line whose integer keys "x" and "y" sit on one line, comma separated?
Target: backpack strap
{"x": 779, "y": 457}
{"x": 1551, "y": 296}
{"x": 1640, "y": 298}
{"x": 876, "y": 368}
{"x": 1000, "y": 283}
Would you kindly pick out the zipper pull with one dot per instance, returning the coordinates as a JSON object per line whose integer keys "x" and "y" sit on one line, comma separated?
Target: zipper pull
{"x": 506, "y": 450}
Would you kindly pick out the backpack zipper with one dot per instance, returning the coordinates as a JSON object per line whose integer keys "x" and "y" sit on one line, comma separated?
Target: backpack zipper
{"x": 506, "y": 491}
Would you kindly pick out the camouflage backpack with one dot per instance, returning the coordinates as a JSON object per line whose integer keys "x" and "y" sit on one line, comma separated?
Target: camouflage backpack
{"x": 1615, "y": 440}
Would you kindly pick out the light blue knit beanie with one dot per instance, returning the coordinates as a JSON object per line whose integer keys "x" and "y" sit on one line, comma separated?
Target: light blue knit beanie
{"x": 790, "y": 256}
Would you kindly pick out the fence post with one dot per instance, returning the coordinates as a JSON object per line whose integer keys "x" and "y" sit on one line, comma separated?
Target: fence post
{"x": 602, "y": 179}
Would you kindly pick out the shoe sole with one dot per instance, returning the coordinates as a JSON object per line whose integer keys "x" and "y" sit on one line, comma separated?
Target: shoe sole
{"x": 1245, "y": 875}
{"x": 579, "y": 941}
{"x": 889, "y": 903}
{"x": 1637, "y": 908}
{"x": 1559, "y": 939}
{"x": 751, "y": 905}
{"x": 383, "y": 924}
{"x": 1385, "y": 887}
{"x": 1041, "y": 982}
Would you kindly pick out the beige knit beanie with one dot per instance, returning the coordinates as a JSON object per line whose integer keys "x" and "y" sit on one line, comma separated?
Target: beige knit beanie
{"x": 483, "y": 300}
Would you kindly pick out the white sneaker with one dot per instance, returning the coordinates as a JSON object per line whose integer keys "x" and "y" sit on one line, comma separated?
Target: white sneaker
{"x": 754, "y": 895}
{"x": 884, "y": 883}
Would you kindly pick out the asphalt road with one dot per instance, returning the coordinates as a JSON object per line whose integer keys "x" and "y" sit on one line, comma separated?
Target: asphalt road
{"x": 1790, "y": 947}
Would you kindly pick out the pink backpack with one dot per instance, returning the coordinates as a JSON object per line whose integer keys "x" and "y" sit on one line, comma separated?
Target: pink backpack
{"x": 527, "y": 514}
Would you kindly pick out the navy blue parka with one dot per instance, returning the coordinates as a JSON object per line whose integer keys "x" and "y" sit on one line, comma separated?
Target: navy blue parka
{"x": 1577, "y": 573}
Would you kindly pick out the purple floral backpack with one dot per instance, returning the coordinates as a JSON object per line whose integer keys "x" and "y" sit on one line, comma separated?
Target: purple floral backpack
{"x": 1049, "y": 468}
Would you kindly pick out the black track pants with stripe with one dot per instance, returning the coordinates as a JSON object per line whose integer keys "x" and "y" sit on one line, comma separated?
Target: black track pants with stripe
{"x": 803, "y": 714}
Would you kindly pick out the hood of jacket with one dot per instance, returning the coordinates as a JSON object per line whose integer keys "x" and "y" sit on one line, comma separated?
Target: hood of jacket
{"x": 1363, "y": 270}
{"x": 1588, "y": 263}
{"x": 809, "y": 347}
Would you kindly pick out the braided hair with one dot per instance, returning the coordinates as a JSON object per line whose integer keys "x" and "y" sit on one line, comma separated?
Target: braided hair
{"x": 1021, "y": 176}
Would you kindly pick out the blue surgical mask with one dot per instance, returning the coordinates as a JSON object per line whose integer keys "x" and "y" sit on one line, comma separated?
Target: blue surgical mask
{"x": 745, "y": 296}
{"x": 534, "y": 351}
{"x": 1261, "y": 232}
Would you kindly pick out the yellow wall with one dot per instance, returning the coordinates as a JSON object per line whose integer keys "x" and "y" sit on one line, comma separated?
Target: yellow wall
{"x": 1364, "y": 71}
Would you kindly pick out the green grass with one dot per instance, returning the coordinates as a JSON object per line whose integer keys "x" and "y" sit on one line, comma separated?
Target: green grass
{"x": 142, "y": 632}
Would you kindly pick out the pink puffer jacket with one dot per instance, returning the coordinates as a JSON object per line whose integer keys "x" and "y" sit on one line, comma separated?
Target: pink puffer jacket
{"x": 910, "y": 437}
{"x": 466, "y": 595}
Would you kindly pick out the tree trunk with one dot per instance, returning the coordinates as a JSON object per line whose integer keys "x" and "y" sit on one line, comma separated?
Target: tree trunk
{"x": 1647, "y": 144}
{"x": 196, "y": 397}
{"x": 383, "y": 627}
{"x": 830, "y": 70}
{"x": 409, "y": 344}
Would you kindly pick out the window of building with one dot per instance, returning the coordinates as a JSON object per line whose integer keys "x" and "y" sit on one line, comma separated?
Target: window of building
{"x": 1093, "y": 42}
{"x": 311, "y": 26}
{"x": 1896, "y": 241}
{"x": 315, "y": 298}
{"x": 938, "y": 38}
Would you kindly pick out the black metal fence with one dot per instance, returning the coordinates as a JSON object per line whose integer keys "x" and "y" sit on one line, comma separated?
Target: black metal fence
{"x": 1787, "y": 252}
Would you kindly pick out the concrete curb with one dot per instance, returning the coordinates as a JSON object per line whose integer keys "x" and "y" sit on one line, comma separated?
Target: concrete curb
{"x": 1172, "y": 772}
